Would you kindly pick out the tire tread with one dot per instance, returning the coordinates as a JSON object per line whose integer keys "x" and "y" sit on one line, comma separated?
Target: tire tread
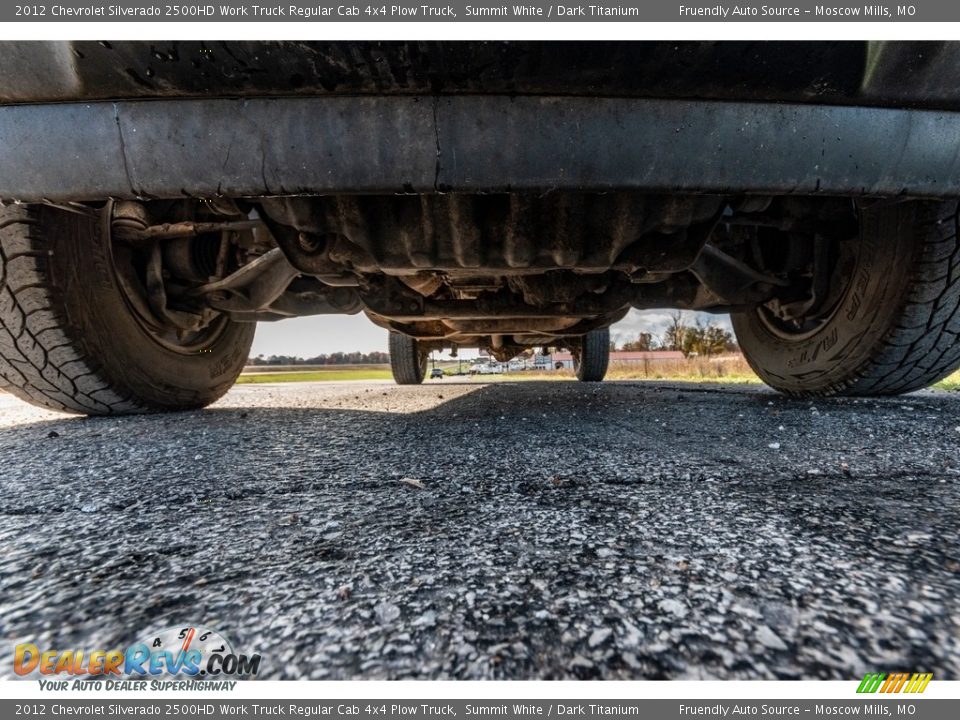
{"x": 594, "y": 356}
{"x": 34, "y": 331}
{"x": 405, "y": 362}
{"x": 930, "y": 308}
{"x": 45, "y": 356}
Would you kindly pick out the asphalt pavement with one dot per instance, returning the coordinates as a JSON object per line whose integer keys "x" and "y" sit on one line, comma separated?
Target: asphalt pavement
{"x": 504, "y": 530}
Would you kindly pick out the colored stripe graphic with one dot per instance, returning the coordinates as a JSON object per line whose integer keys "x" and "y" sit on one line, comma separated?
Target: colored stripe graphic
{"x": 900, "y": 682}
{"x": 870, "y": 682}
{"x": 919, "y": 682}
{"x": 894, "y": 682}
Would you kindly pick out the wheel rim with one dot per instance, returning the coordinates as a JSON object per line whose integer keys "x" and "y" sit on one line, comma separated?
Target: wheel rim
{"x": 127, "y": 265}
{"x": 839, "y": 263}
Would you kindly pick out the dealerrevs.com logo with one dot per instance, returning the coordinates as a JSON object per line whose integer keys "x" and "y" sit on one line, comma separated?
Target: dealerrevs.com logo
{"x": 195, "y": 652}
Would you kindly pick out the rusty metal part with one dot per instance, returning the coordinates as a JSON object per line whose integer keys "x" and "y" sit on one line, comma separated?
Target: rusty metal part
{"x": 265, "y": 290}
{"x": 75, "y": 208}
{"x": 558, "y": 286}
{"x": 158, "y": 299}
{"x": 499, "y": 327}
{"x": 128, "y": 232}
{"x": 127, "y": 218}
{"x": 499, "y": 234}
{"x": 515, "y": 336}
{"x": 255, "y": 285}
{"x": 426, "y": 284}
{"x": 728, "y": 278}
{"x": 146, "y": 293}
{"x": 317, "y": 300}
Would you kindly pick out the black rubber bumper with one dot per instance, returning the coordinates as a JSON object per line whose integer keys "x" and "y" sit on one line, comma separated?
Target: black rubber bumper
{"x": 256, "y": 147}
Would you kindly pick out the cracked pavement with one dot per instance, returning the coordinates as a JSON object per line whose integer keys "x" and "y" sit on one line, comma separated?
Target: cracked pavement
{"x": 622, "y": 530}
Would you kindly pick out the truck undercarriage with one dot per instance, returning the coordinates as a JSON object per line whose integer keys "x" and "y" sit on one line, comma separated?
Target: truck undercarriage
{"x": 503, "y": 272}
{"x": 494, "y": 195}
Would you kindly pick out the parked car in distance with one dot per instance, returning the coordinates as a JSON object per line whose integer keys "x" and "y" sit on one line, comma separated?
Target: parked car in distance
{"x": 487, "y": 368}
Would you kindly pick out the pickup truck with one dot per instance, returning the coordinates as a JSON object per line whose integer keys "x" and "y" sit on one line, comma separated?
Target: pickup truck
{"x": 159, "y": 199}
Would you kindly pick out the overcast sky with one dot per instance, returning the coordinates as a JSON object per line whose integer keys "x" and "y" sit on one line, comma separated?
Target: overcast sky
{"x": 311, "y": 336}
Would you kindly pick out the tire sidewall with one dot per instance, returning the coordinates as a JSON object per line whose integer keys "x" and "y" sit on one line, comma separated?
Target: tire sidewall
{"x": 591, "y": 363}
{"x": 408, "y": 363}
{"x": 830, "y": 359}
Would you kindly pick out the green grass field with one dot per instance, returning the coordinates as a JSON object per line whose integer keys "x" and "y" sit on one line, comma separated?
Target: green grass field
{"x": 332, "y": 375}
{"x": 950, "y": 383}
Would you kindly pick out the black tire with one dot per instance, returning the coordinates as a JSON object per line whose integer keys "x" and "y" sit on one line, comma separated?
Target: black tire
{"x": 594, "y": 356}
{"x": 407, "y": 361}
{"x": 69, "y": 339}
{"x": 895, "y": 329}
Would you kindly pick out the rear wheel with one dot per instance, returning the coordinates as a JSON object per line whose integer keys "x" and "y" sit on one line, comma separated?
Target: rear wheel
{"x": 407, "y": 361}
{"x": 886, "y": 320}
{"x": 73, "y": 338}
{"x": 593, "y": 357}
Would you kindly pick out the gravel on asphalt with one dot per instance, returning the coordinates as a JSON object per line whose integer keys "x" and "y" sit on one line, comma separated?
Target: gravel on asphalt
{"x": 505, "y": 530}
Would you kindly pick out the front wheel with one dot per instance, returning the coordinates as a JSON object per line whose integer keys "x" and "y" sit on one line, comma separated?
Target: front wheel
{"x": 74, "y": 335}
{"x": 407, "y": 361}
{"x": 593, "y": 357}
{"x": 885, "y": 319}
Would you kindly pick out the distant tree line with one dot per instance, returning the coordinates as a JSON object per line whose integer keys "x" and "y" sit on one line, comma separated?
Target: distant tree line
{"x": 336, "y": 358}
{"x": 698, "y": 338}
